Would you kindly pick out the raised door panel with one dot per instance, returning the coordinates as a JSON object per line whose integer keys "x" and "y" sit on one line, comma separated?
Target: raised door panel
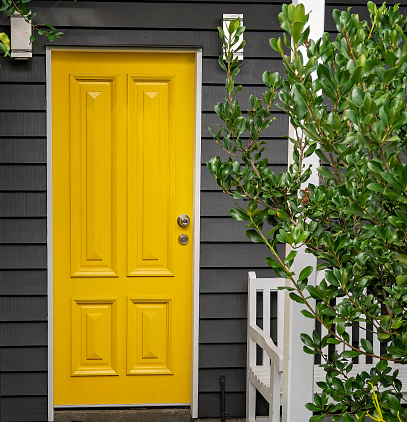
{"x": 150, "y": 178}
{"x": 93, "y": 207}
{"x": 94, "y": 337}
{"x": 149, "y": 337}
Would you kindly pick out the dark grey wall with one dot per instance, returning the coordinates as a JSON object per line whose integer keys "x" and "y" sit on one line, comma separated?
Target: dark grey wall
{"x": 226, "y": 254}
{"x": 23, "y": 263}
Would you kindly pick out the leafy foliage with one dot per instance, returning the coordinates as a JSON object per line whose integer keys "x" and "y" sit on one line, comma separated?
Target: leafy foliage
{"x": 22, "y": 7}
{"x": 353, "y": 116}
{"x": 4, "y": 43}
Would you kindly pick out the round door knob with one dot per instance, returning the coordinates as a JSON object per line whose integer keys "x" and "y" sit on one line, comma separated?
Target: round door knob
{"x": 183, "y": 239}
{"x": 183, "y": 220}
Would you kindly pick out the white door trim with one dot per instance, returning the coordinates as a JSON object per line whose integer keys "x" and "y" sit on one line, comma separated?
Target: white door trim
{"x": 196, "y": 241}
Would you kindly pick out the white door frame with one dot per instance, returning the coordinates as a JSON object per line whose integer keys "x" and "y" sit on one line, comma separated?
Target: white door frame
{"x": 196, "y": 212}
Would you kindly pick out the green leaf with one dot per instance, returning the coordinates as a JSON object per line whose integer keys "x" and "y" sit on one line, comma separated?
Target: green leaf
{"x": 305, "y": 273}
{"x": 233, "y": 25}
{"x": 276, "y": 45}
{"x": 357, "y": 73}
{"x": 272, "y": 263}
{"x": 312, "y": 407}
{"x": 222, "y": 63}
{"x": 307, "y": 314}
{"x": 299, "y": 12}
{"x": 240, "y": 31}
{"x": 358, "y": 96}
{"x": 347, "y": 417}
{"x": 367, "y": 345}
{"x": 401, "y": 279}
{"x": 307, "y": 340}
{"x": 393, "y": 403}
{"x": 254, "y": 236}
{"x": 375, "y": 187}
{"x": 309, "y": 351}
{"x": 296, "y": 298}
{"x": 239, "y": 214}
{"x": 382, "y": 365}
{"x": 296, "y": 31}
{"x": 322, "y": 266}
{"x": 326, "y": 78}
{"x": 402, "y": 258}
{"x": 5, "y": 40}
{"x": 323, "y": 171}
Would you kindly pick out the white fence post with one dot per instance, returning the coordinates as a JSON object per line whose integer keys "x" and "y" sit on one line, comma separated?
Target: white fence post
{"x": 298, "y": 372}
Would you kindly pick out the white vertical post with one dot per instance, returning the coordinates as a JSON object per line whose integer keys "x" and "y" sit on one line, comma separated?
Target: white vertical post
{"x": 298, "y": 373}
{"x": 266, "y": 322}
{"x": 251, "y": 350}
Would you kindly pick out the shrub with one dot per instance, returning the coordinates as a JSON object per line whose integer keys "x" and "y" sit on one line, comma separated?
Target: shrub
{"x": 353, "y": 116}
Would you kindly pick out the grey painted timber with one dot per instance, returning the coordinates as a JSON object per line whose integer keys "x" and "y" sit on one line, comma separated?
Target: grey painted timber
{"x": 24, "y": 150}
{"x": 23, "y": 409}
{"x": 23, "y": 124}
{"x": 22, "y": 97}
{"x": 32, "y": 71}
{"x": 23, "y": 283}
{"x": 228, "y": 280}
{"x": 27, "y": 177}
{"x": 23, "y": 334}
{"x": 23, "y": 204}
{"x": 222, "y": 356}
{"x": 17, "y": 230}
{"x": 23, "y": 384}
{"x": 15, "y": 359}
{"x": 23, "y": 308}
{"x": 198, "y": 16}
{"x": 23, "y": 256}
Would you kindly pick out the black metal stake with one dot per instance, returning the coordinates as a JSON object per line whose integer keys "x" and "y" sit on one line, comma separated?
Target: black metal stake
{"x": 223, "y": 413}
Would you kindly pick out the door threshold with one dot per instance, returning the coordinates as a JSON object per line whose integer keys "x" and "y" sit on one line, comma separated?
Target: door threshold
{"x": 163, "y": 414}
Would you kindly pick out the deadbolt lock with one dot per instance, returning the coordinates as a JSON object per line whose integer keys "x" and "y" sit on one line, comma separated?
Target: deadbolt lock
{"x": 183, "y": 239}
{"x": 183, "y": 220}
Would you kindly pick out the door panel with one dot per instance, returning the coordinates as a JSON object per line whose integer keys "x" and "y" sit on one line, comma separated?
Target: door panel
{"x": 151, "y": 158}
{"x": 149, "y": 344}
{"x": 93, "y": 106}
{"x": 94, "y": 337}
{"x": 123, "y": 139}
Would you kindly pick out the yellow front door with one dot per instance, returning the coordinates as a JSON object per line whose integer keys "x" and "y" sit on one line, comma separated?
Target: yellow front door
{"x": 122, "y": 160}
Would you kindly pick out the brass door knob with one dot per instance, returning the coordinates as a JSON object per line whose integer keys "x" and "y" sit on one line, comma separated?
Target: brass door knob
{"x": 183, "y": 220}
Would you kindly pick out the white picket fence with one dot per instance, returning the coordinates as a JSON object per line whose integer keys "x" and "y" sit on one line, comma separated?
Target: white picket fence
{"x": 269, "y": 366}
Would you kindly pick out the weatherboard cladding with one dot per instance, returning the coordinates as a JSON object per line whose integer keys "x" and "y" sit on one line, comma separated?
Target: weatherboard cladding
{"x": 226, "y": 253}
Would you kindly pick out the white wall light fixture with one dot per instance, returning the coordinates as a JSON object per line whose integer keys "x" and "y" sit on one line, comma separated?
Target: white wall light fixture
{"x": 225, "y": 25}
{"x": 21, "y": 48}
